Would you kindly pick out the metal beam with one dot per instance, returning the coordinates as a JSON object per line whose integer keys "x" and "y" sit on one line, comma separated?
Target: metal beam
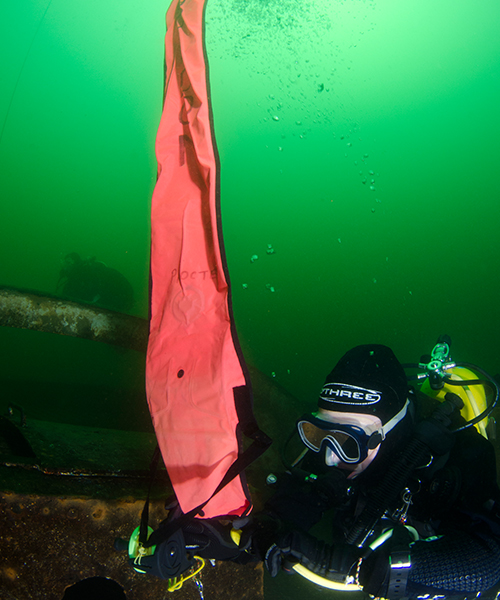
{"x": 26, "y": 309}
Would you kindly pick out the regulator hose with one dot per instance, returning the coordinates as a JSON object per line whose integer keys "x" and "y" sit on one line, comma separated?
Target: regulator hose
{"x": 428, "y": 438}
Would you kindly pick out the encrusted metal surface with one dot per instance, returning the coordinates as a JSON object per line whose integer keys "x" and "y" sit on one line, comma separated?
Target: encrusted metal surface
{"x": 49, "y": 543}
{"x": 31, "y": 310}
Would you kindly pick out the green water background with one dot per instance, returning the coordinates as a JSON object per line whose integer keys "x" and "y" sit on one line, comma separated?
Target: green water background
{"x": 360, "y": 140}
{"x": 312, "y": 101}
{"x": 315, "y": 103}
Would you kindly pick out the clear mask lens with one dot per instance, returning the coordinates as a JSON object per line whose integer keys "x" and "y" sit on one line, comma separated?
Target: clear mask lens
{"x": 349, "y": 446}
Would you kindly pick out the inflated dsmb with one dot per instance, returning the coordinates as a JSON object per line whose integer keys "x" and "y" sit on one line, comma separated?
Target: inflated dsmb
{"x": 198, "y": 389}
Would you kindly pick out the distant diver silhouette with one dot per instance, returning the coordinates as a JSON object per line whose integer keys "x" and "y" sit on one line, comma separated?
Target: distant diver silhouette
{"x": 89, "y": 280}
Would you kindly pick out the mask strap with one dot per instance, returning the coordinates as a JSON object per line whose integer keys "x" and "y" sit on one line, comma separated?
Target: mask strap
{"x": 395, "y": 419}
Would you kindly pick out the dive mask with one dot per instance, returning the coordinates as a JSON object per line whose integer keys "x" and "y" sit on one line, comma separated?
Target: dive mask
{"x": 349, "y": 442}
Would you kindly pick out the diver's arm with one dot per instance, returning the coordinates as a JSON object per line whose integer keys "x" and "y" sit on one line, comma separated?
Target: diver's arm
{"x": 456, "y": 563}
{"x": 325, "y": 560}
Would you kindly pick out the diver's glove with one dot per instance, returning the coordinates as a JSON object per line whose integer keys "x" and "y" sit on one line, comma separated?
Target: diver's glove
{"x": 329, "y": 561}
{"x": 209, "y": 538}
{"x": 177, "y": 548}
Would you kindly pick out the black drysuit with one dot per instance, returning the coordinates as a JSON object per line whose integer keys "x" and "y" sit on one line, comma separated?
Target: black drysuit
{"x": 453, "y": 503}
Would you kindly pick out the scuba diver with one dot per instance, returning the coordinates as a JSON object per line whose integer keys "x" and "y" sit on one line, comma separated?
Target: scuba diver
{"x": 409, "y": 476}
{"x": 90, "y": 280}
{"x": 415, "y": 499}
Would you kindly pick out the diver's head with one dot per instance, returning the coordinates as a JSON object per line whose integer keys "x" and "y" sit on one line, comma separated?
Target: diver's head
{"x": 363, "y": 400}
{"x": 69, "y": 262}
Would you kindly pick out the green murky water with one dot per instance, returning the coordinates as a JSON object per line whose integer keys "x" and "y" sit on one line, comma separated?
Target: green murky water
{"x": 359, "y": 149}
{"x": 359, "y": 139}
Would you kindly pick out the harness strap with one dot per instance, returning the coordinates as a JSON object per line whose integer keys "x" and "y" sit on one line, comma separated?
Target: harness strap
{"x": 399, "y": 563}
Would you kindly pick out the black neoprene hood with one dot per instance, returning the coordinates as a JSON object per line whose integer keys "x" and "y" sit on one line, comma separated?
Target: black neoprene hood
{"x": 368, "y": 379}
